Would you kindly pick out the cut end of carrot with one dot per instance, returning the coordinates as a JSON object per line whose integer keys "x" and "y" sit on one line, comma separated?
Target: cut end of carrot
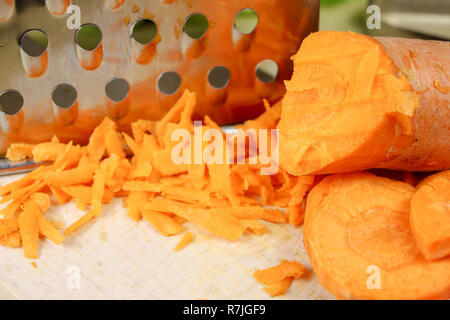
{"x": 345, "y": 108}
{"x": 358, "y": 237}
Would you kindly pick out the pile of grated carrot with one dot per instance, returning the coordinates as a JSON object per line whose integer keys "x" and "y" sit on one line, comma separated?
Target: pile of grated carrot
{"x": 225, "y": 199}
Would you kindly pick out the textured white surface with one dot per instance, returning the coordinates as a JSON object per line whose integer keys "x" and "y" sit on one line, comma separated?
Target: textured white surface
{"x": 121, "y": 259}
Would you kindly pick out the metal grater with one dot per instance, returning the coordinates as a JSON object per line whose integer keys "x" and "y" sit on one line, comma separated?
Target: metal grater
{"x": 132, "y": 59}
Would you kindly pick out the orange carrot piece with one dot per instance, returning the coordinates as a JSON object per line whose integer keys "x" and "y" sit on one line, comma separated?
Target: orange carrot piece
{"x": 8, "y": 226}
{"x": 165, "y": 224}
{"x": 47, "y": 229}
{"x": 91, "y": 214}
{"x": 131, "y": 143}
{"x": 83, "y": 194}
{"x": 23, "y": 194}
{"x": 11, "y": 240}
{"x": 60, "y": 195}
{"x": 20, "y": 151}
{"x": 135, "y": 201}
{"x": 48, "y": 151}
{"x": 42, "y": 200}
{"x": 174, "y": 114}
{"x": 296, "y": 214}
{"x": 29, "y": 229}
{"x": 430, "y": 216}
{"x": 278, "y": 288}
{"x": 187, "y": 238}
{"x": 98, "y": 190}
{"x": 256, "y": 212}
{"x": 69, "y": 158}
{"x": 80, "y": 193}
{"x": 254, "y": 226}
{"x": 180, "y": 192}
{"x": 80, "y": 175}
{"x": 356, "y": 102}
{"x": 96, "y": 147}
{"x": 215, "y": 221}
{"x": 113, "y": 144}
{"x": 10, "y": 211}
{"x": 23, "y": 182}
{"x": 141, "y": 170}
{"x": 284, "y": 270}
{"x": 358, "y": 237}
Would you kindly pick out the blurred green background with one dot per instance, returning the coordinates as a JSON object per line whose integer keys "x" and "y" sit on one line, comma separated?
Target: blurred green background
{"x": 343, "y": 15}
{"x": 426, "y": 19}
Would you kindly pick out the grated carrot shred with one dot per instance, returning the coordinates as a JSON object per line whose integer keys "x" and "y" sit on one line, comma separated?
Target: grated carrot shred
{"x": 187, "y": 238}
{"x": 277, "y": 279}
{"x": 226, "y": 200}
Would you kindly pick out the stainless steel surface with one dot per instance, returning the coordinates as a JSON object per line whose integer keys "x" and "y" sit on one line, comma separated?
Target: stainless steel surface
{"x": 143, "y": 63}
{"x": 14, "y": 167}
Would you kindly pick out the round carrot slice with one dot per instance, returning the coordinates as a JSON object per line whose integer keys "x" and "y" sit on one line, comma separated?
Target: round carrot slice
{"x": 360, "y": 244}
{"x": 430, "y": 216}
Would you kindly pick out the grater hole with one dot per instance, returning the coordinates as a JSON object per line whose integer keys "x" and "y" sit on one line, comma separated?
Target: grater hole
{"x": 88, "y": 36}
{"x": 11, "y": 102}
{"x": 169, "y": 82}
{"x": 246, "y": 21}
{"x": 267, "y": 71}
{"x": 34, "y": 42}
{"x": 196, "y": 25}
{"x": 64, "y": 96}
{"x": 144, "y": 31}
{"x": 117, "y": 89}
{"x": 219, "y": 77}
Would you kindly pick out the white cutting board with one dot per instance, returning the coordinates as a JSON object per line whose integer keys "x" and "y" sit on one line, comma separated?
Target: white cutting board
{"x": 114, "y": 257}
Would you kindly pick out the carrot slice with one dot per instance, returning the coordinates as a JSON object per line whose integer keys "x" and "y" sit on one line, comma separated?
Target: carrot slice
{"x": 284, "y": 270}
{"x": 10, "y": 211}
{"x": 11, "y": 240}
{"x": 29, "y": 229}
{"x": 358, "y": 238}
{"x": 20, "y": 151}
{"x": 48, "y": 229}
{"x": 141, "y": 170}
{"x": 8, "y": 226}
{"x": 430, "y": 216}
{"x": 80, "y": 193}
{"x": 23, "y": 194}
{"x": 256, "y": 212}
{"x": 215, "y": 221}
{"x": 165, "y": 224}
{"x": 278, "y": 279}
{"x": 254, "y": 226}
{"x": 98, "y": 190}
{"x": 83, "y": 194}
{"x": 135, "y": 202}
{"x": 48, "y": 151}
{"x": 42, "y": 200}
{"x": 180, "y": 192}
{"x": 60, "y": 195}
{"x": 279, "y": 287}
{"x": 96, "y": 147}
{"x": 113, "y": 144}
{"x": 80, "y": 175}
{"x": 296, "y": 214}
{"x": 187, "y": 238}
